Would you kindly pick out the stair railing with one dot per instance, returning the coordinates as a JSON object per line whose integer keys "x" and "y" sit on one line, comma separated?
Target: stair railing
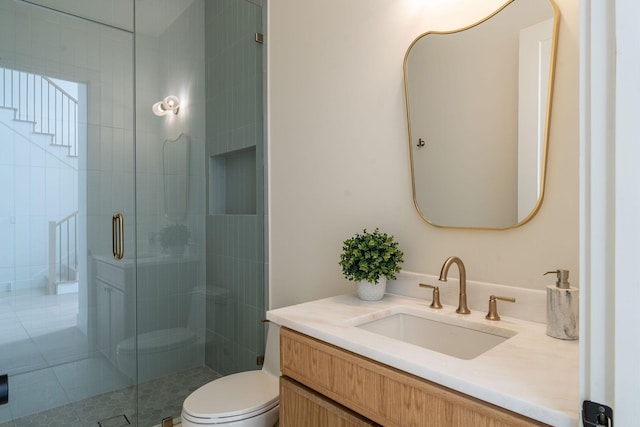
{"x": 63, "y": 257}
{"x": 39, "y": 100}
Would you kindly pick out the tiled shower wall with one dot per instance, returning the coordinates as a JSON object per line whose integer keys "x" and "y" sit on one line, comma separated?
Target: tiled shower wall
{"x": 235, "y": 212}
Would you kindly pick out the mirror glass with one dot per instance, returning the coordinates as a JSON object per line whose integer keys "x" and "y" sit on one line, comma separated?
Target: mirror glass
{"x": 478, "y": 106}
{"x": 175, "y": 177}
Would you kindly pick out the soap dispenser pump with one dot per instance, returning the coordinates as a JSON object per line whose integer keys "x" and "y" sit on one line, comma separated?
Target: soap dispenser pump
{"x": 562, "y": 307}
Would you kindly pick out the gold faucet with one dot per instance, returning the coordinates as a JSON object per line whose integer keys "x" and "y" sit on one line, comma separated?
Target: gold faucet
{"x": 462, "y": 301}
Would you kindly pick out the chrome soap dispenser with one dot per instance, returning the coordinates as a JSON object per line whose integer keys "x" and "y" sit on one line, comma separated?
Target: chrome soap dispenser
{"x": 562, "y": 307}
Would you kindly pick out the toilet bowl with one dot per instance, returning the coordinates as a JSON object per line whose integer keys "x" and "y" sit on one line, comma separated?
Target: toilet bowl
{"x": 157, "y": 353}
{"x": 245, "y": 399}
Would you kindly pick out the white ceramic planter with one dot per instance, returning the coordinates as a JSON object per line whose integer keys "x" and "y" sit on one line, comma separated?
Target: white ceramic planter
{"x": 371, "y": 291}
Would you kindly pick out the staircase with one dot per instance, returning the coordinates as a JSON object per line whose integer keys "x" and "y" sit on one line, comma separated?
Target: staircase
{"x": 39, "y": 112}
{"x": 37, "y": 100}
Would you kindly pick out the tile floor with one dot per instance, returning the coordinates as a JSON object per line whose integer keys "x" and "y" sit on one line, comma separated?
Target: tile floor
{"x": 157, "y": 399}
{"x": 55, "y": 381}
{"x": 38, "y": 331}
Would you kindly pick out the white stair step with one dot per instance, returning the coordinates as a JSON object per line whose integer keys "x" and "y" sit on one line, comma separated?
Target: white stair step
{"x": 24, "y": 131}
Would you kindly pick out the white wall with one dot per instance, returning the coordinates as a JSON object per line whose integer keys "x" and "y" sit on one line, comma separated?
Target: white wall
{"x": 338, "y": 149}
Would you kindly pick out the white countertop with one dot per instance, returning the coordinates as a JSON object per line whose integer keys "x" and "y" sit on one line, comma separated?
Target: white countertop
{"x": 530, "y": 373}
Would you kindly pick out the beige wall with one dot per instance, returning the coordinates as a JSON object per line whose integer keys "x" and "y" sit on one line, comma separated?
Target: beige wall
{"x": 338, "y": 155}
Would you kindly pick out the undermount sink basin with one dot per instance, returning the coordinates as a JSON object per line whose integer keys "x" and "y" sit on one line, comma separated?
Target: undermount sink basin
{"x": 452, "y": 336}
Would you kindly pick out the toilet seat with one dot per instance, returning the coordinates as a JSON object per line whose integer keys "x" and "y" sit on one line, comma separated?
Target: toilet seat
{"x": 234, "y": 397}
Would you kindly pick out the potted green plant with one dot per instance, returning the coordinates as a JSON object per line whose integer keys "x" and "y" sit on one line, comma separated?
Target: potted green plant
{"x": 173, "y": 238}
{"x": 369, "y": 259}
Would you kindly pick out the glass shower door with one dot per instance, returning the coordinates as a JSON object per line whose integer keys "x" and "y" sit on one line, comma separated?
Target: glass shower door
{"x": 67, "y": 218}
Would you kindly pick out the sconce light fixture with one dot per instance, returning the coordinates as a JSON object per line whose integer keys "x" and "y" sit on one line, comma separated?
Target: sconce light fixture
{"x": 170, "y": 103}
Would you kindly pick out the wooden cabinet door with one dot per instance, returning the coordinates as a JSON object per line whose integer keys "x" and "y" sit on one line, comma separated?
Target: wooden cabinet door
{"x": 301, "y": 406}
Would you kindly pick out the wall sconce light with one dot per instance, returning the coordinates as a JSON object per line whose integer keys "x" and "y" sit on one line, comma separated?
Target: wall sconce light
{"x": 170, "y": 103}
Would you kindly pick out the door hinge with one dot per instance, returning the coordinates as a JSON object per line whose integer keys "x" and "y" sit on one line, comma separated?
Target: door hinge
{"x": 595, "y": 414}
{"x": 259, "y": 38}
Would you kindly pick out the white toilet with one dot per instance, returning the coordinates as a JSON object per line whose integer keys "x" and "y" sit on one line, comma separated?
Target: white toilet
{"x": 245, "y": 399}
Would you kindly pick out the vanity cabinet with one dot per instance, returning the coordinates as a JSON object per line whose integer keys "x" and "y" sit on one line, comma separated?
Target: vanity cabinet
{"x": 337, "y": 380}
{"x": 111, "y": 314}
{"x": 304, "y": 407}
{"x": 114, "y": 307}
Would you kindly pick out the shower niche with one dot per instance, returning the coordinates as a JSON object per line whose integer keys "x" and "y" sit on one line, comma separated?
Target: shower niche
{"x": 232, "y": 183}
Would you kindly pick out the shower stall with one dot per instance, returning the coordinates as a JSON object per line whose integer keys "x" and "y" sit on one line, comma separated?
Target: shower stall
{"x": 132, "y": 156}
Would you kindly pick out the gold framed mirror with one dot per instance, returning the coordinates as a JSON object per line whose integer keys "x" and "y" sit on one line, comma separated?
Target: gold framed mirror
{"x": 478, "y": 103}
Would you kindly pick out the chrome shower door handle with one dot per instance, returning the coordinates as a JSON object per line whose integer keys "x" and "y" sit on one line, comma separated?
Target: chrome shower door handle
{"x": 117, "y": 235}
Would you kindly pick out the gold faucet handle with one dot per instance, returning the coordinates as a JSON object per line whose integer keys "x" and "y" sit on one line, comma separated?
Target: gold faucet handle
{"x": 435, "y": 303}
{"x": 493, "y": 306}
